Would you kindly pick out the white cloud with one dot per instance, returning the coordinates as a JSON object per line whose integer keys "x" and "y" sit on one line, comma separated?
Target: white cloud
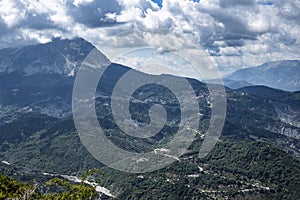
{"x": 11, "y": 14}
{"x": 81, "y": 2}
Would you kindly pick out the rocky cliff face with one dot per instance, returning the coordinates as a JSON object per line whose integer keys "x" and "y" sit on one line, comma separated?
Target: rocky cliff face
{"x": 287, "y": 114}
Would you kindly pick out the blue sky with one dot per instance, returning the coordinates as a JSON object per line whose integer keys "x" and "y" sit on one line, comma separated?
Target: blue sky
{"x": 159, "y": 2}
{"x": 235, "y": 33}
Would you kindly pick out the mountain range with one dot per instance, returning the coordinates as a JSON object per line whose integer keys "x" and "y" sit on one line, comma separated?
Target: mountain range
{"x": 257, "y": 156}
{"x": 284, "y": 75}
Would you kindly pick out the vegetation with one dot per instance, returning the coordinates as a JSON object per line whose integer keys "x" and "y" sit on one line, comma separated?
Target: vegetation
{"x": 13, "y": 189}
{"x": 73, "y": 191}
{"x": 233, "y": 170}
{"x": 63, "y": 189}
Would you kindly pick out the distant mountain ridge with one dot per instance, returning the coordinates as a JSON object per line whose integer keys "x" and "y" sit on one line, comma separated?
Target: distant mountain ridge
{"x": 284, "y": 75}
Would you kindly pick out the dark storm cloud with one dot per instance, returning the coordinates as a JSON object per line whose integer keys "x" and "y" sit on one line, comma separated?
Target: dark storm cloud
{"x": 235, "y": 28}
{"x": 3, "y": 27}
{"x": 235, "y": 43}
{"x": 230, "y": 3}
{"x": 93, "y": 14}
{"x": 38, "y": 21}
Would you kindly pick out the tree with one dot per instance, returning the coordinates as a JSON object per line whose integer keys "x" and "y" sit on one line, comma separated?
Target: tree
{"x": 74, "y": 191}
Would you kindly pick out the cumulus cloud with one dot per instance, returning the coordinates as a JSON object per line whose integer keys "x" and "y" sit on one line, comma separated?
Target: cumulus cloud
{"x": 94, "y": 13}
{"x": 236, "y": 33}
{"x": 10, "y": 13}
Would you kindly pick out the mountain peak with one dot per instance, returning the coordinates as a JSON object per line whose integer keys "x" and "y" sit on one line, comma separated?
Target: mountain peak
{"x": 60, "y": 56}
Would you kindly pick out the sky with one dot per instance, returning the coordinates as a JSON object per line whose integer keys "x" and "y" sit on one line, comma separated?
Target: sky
{"x": 235, "y": 33}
